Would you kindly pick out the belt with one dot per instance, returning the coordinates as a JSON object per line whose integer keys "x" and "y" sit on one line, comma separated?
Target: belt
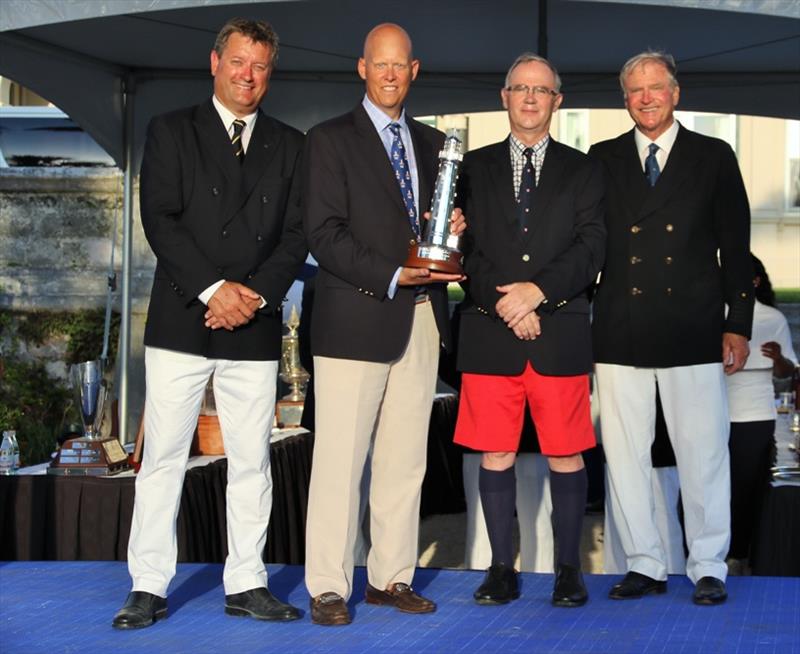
{"x": 422, "y": 298}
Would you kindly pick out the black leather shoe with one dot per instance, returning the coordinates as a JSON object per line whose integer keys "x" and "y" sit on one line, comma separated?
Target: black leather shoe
{"x": 709, "y": 590}
{"x": 140, "y": 610}
{"x": 499, "y": 585}
{"x": 260, "y": 604}
{"x": 635, "y": 585}
{"x": 569, "y": 590}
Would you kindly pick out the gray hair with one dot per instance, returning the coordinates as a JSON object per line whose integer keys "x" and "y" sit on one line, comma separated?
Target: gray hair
{"x": 527, "y": 57}
{"x": 258, "y": 31}
{"x": 650, "y": 56}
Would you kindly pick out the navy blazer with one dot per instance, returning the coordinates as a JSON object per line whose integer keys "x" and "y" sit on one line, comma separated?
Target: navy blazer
{"x": 358, "y": 231}
{"x": 208, "y": 217}
{"x": 677, "y": 253}
{"x": 561, "y": 253}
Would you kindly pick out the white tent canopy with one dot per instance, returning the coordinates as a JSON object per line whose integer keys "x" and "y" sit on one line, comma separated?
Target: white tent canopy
{"x": 113, "y": 64}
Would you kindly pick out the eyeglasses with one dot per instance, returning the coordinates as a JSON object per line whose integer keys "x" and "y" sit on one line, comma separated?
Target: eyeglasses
{"x": 524, "y": 89}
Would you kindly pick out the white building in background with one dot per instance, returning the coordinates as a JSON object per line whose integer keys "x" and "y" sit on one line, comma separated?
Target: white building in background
{"x": 768, "y": 150}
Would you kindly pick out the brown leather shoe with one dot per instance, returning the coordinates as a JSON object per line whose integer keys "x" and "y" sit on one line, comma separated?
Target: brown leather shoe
{"x": 329, "y": 609}
{"x": 400, "y": 596}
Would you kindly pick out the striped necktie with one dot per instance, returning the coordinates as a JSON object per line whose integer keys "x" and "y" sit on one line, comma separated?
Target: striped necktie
{"x": 236, "y": 139}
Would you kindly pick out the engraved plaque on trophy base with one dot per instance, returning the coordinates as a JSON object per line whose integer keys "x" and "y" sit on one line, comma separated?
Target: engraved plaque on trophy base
{"x": 89, "y": 457}
{"x": 435, "y": 257}
{"x": 289, "y": 413}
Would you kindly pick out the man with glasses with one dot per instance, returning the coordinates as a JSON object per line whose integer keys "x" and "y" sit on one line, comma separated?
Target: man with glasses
{"x": 678, "y": 251}
{"x": 534, "y": 246}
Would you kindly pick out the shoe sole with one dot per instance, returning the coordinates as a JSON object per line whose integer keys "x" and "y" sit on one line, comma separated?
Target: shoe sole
{"x": 338, "y": 622}
{"x": 158, "y": 615}
{"x": 709, "y": 602}
{"x": 487, "y": 601}
{"x": 569, "y": 604}
{"x": 244, "y": 613}
{"x": 378, "y": 602}
{"x": 660, "y": 590}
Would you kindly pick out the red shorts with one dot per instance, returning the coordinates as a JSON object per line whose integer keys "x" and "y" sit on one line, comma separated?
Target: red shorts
{"x": 490, "y": 412}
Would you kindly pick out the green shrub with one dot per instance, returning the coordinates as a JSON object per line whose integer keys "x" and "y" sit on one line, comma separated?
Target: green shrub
{"x": 787, "y": 295}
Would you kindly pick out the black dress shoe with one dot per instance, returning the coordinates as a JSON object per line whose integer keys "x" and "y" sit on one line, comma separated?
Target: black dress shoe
{"x": 709, "y": 590}
{"x": 140, "y": 610}
{"x": 260, "y": 604}
{"x": 499, "y": 585}
{"x": 635, "y": 585}
{"x": 569, "y": 590}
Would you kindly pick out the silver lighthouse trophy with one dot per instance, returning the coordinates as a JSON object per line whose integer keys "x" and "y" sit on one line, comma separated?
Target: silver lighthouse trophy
{"x": 439, "y": 249}
{"x": 91, "y": 454}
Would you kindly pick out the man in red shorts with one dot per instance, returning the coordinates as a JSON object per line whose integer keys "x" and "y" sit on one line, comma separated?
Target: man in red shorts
{"x": 534, "y": 246}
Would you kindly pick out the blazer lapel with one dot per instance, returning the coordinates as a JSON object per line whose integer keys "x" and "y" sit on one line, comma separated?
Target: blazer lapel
{"x": 501, "y": 179}
{"x": 376, "y": 157}
{"x": 548, "y": 184}
{"x": 261, "y": 149}
{"x": 215, "y": 142}
{"x": 680, "y": 167}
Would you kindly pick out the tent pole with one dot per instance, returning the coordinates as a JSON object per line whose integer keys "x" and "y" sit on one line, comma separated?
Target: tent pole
{"x": 542, "y": 46}
{"x": 128, "y": 90}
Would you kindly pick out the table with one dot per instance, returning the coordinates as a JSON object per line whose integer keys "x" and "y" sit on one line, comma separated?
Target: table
{"x": 776, "y": 548}
{"x": 47, "y": 517}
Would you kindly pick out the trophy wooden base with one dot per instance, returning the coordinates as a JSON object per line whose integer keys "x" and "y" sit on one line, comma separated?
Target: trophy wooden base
{"x": 435, "y": 257}
{"x": 89, "y": 457}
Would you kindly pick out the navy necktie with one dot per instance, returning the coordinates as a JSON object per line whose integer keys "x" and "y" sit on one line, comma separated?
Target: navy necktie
{"x": 527, "y": 190}
{"x": 236, "y": 139}
{"x": 403, "y": 174}
{"x": 651, "y": 169}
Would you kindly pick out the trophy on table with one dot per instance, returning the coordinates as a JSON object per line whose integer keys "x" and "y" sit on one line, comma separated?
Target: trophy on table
{"x": 289, "y": 408}
{"x": 438, "y": 249}
{"x": 90, "y": 454}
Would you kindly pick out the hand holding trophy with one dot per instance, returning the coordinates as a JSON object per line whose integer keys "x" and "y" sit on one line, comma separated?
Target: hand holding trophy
{"x": 438, "y": 250}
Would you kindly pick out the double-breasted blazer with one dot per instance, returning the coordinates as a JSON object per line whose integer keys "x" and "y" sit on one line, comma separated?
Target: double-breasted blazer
{"x": 207, "y": 217}
{"x": 561, "y": 253}
{"x": 677, "y": 253}
{"x": 358, "y": 231}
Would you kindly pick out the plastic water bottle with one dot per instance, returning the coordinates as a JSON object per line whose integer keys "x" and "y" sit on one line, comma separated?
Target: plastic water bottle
{"x": 6, "y": 455}
{"x": 14, "y": 448}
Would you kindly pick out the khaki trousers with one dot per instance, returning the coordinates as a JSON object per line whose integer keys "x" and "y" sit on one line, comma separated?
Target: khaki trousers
{"x": 388, "y": 405}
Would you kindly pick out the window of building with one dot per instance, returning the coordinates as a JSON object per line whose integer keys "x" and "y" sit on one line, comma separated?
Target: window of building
{"x": 793, "y": 165}
{"x": 721, "y": 126}
{"x": 573, "y": 128}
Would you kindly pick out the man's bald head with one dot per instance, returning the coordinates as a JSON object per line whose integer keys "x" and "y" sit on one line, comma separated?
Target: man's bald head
{"x": 388, "y": 67}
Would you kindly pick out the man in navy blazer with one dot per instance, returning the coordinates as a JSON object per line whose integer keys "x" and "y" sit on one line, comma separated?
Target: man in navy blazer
{"x": 533, "y": 249}
{"x": 220, "y": 209}
{"x": 375, "y": 333}
{"x": 678, "y": 252}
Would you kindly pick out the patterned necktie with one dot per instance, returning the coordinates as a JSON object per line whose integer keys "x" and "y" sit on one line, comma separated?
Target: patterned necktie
{"x": 403, "y": 174}
{"x": 651, "y": 169}
{"x": 236, "y": 139}
{"x": 527, "y": 190}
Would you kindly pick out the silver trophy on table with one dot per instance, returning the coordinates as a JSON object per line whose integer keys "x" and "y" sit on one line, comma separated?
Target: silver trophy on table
{"x": 439, "y": 249}
{"x": 90, "y": 454}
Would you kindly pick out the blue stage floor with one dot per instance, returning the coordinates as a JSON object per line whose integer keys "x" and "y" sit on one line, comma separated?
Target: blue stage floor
{"x": 56, "y": 607}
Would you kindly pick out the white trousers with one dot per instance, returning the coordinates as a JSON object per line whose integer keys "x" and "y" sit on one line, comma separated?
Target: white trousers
{"x": 386, "y": 406}
{"x": 666, "y": 489}
{"x": 695, "y": 406}
{"x": 244, "y": 392}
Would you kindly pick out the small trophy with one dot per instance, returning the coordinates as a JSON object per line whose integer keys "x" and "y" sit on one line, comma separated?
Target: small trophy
{"x": 439, "y": 249}
{"x": 290, "y": 407}
{"x": 90, "y": 454}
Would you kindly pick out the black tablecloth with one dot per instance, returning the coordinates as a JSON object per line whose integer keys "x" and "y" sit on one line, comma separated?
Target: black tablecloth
{"x": 776, "y": 550}
{"x": 45, "y": 517}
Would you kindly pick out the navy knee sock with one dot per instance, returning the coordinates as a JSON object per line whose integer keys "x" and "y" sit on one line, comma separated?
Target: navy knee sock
{"x": 498, "y": 491}
{"x": 568, "y": 493}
